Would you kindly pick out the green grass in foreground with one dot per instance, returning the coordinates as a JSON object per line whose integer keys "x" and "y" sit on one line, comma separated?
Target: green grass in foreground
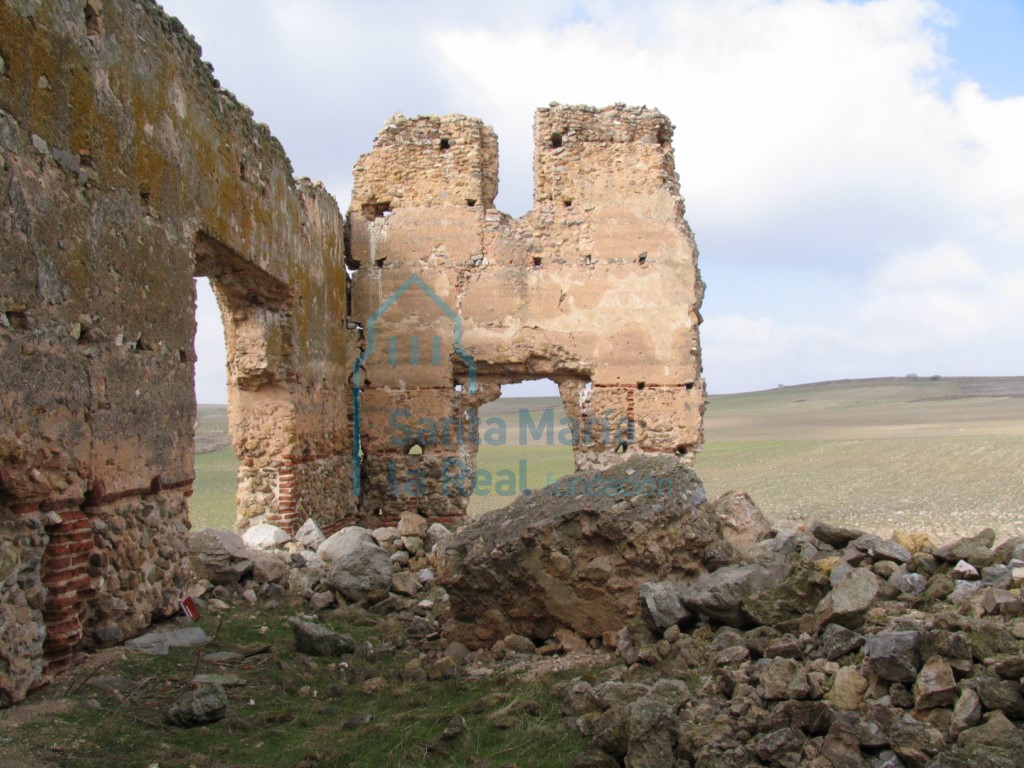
{"x": 299, "y": 711}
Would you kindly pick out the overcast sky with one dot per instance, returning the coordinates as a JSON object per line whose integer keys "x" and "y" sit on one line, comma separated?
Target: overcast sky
{"x": 854, "y": 172}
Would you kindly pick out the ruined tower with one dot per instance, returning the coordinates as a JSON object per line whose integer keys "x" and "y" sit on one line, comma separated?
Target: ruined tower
{"x": 596, "y": 287}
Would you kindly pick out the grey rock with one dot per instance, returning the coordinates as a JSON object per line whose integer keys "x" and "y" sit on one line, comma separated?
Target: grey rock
{"x": 997, "y": 576}
{"x": 405, "y": 583}
{"x": 783, "y": 678}
{"x": 777, "y": 743}
{"x": 207, "y": 704}
{"x": 520, "y": 644}
{"x": 842, "y": 747}
{"x": 839, "y": 573}
{"x": 265, "y": 536}
{"x": 360, "y": 570}
{"x": 218, "y": 556}
{"x": 935, "y": 685}
{"x": 966, "y": 713}
{"x": 964, "y": 570}
{"x": 887, "y": 759}
{"x": 663, "y": 603}
{"x": 895, "y": 656}
{"x": 1012, "y": 548}
{"x": 437, "y": 534}
{"x": 835, "y": 535}
{"x": 837, "y": 641}
{"x": 576, "y": 560}
{"x": 999, "y": 694}
{"x": 651, "y": 725}
{"x": 309, "y": 534}
{"x": 996, "y": 731}
{"x": 743, "y": 525}
{"x": 159, "y": 643}
{"x": 882, "y": 549}
{"x": 317, "y": 640}
{"x": 401, "y": 557}
{"x": 915, "y": 742}
{"x": 320, "y": 601}
{"x": 963, "y": 591}
{"x": 720, "y": 595}
{"x": 976, "y": 550}
{"x": 268, "y": 567}
{"x": 344, "y": 542}
{"x": 850, "y": 599}
{"x": 909, "y": 583}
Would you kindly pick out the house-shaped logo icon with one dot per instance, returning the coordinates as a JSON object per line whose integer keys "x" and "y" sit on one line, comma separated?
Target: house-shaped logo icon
{"x": 407, "y": 350}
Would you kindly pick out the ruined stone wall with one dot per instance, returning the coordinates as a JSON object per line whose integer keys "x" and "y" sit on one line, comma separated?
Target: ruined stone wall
{"x": 126, "y": 171}
{"x": 597, "y": 287}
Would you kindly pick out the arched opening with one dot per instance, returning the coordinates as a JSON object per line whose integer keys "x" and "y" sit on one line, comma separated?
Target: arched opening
{"x": 212, "y": 504}
{"x": 254, "y": 308}
{"x": 525, "y": 443}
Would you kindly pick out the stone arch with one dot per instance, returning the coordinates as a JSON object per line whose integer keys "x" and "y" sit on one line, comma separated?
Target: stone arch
{"x": 256, "y": 311}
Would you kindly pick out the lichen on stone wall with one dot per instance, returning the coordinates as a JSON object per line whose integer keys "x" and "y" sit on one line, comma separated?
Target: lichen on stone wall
{"x": 129, "y": 172}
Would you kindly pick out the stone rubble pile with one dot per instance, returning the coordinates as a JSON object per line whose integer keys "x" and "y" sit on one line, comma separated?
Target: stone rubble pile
{"x": 831, "y": 648}
{"x": 355, "y": 564}
{"x": 818, "y": 646}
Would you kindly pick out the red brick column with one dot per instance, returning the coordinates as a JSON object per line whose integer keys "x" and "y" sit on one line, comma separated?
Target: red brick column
{"x": 68, "y": 584}
{"x": 287, "y": 503}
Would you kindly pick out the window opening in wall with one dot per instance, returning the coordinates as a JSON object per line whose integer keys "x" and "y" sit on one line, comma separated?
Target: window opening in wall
{"x": 641, "y": 384}
{"x": 689, "y": 385}
{"x": 470, "y": 201}
{"x": 377, "y": 209}
{"x": 445, "y": 144}
{"x": 525, "y": 442}
{"x": 567, "y": 202}
{"x": 642, "y": 258}
{"x": 379, "y": 263}
{"x": 556, "y": 140}
{"x": 536, "y": 262}
{"x": 212, "y": 504}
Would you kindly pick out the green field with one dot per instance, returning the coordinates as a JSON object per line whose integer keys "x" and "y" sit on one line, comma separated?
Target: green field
{"x": 213, "y": 499}
{"x": 943, "y": 455}
{"x": 946, "y": 455}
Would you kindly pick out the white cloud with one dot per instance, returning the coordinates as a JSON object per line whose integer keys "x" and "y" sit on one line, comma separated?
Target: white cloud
{"x": 211, "y": 353}
{"x": 819, "y": 143}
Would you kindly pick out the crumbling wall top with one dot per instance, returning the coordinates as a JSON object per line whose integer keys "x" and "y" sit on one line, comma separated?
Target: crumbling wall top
{"x": 604, "y": 156}
{"x": 445, "y": 161}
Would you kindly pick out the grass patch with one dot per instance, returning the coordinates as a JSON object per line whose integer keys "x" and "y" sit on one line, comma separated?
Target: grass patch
{"x": 213, "y": 499}
{"x": 299, "y": 711}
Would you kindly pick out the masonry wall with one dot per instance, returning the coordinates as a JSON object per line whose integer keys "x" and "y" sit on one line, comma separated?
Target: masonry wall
{"x": 597, "y": 287}
{"x": 126, "y": 171}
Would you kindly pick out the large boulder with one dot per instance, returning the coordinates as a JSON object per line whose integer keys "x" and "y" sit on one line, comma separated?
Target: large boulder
{"x": 219, "y": 556}
{"x": 721, "y": 595}
{"x": 344, "y": 542}
{"x": 574, "y": 555}
{"x": 742, "y": 523}
{"x": 265, "y": 536}
{"x": 362, "y": 571}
